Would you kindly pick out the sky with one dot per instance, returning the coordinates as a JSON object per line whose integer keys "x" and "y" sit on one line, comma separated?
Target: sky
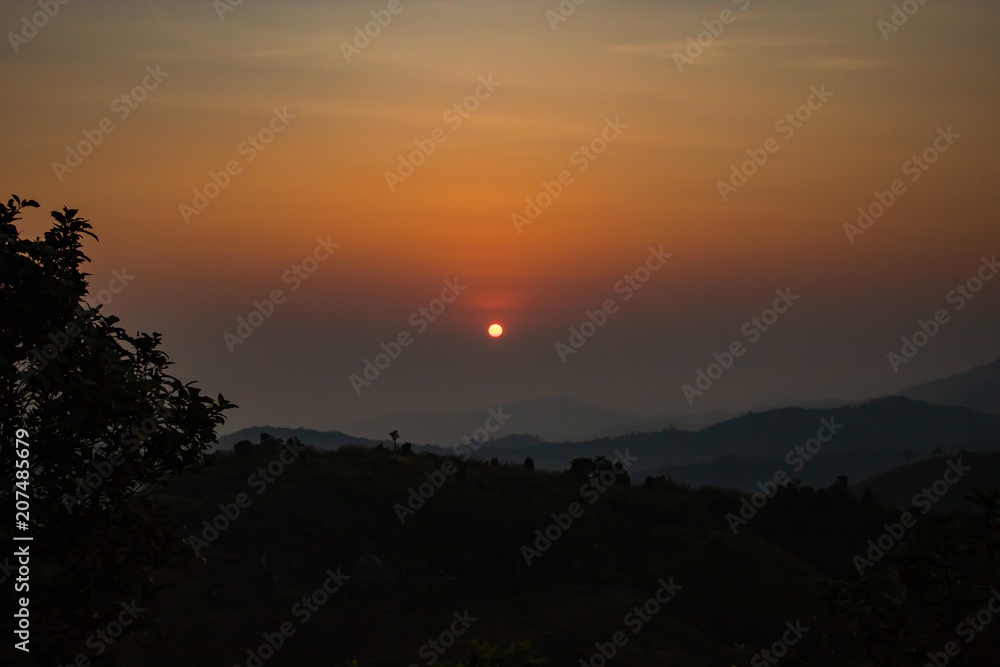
{"x": 674, "y": 169}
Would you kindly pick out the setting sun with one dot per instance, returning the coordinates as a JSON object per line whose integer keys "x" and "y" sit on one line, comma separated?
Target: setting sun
{"x": 495, "y": 330}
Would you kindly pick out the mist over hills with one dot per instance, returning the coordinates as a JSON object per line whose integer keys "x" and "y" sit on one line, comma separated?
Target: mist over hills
{"x": 814, "y": 445}
{"x": 552, "y": 419}
{"x": 977, "y": 388}
{"x": 568, "y": 419}
{"x": 859, "y": 440}
{"x": 867, "y": 439}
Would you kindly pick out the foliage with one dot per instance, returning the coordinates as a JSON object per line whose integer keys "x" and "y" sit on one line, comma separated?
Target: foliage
{"x": 929, "y": 590}
{"x": 587, "y": 468}
{"x": 104, "y": 422}
{"x": 244, "y": 448}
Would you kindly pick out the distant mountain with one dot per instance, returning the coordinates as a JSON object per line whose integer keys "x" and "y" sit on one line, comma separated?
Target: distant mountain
{"x": 547, "y": 418}
{"x": 562, "y": 419}
{"x": 978, "y": 389}
{"x": 890, "y": 425}
{"x": 326, "y": 440}
{"x": 693, "y": 422}
{"x": 823, "y": 470}
{"x": 898, "y": 486}
{"x": 869, "y": 439}
{"x": 885, "y": 423}
{"x": 822, "y": 403}
{"x": 551, "y": 419}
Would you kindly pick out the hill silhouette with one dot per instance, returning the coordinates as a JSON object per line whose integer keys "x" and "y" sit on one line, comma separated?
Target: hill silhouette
{"x": 461, "y": 550}
{"x": 738, "y": 453}
{"x": 898, "y": 486}
{"x": 978, "y": 388}
{"x": 556, "y": 419}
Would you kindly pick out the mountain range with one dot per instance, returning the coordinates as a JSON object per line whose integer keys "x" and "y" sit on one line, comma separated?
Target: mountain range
{"x": 978, "y": 388}
{"x": 859, "y": 440}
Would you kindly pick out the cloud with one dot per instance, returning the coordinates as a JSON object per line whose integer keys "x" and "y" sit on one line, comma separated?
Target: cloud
{"x": 841, "y": 64}
{"x": 769, "y": 50}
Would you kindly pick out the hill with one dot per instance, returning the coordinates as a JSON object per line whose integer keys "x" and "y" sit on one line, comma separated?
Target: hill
{"x": 323, "y": 440}
{"x": 978, "y": 388}
{"x": 463, "y": 551}
{"x": 553, "y": 419}
{"x": 898, "y": 487}
{"x": 869, "y": 438}
{"x": 502, "y": 549}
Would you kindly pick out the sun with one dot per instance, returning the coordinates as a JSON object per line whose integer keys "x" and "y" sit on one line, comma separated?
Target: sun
{"x": 495, "y": 330}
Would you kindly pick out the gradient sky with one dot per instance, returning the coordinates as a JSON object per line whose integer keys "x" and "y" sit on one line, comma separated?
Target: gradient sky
{"x": 324, "y": 176}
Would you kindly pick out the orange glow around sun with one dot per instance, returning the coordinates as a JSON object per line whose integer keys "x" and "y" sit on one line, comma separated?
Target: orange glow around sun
{"x": 495, "y": 330}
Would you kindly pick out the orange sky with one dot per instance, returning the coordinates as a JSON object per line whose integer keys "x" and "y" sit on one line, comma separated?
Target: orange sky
{"x": 656, "y": 184}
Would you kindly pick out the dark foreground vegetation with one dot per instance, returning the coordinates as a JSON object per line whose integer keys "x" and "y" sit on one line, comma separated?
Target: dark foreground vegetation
{"x": 466, "y": 551}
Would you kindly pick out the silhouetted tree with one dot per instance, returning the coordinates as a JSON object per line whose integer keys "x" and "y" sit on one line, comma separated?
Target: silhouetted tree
{"x": 270, "y": 443}
{"x": 244, "y": 448}
{"x": 529, "y": 463}
{"x": 79, "y": 394}
{"x": 395, "y": 436}
{"x": 580, "y": 467}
